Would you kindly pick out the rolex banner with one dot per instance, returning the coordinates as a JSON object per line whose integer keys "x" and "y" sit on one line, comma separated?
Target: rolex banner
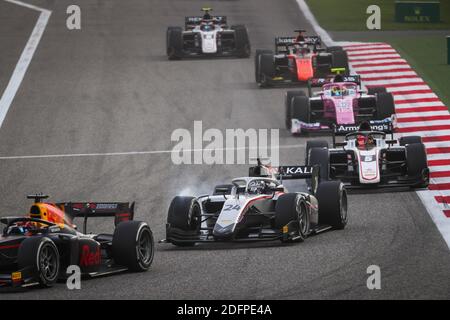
{"x": 417, "y": 11}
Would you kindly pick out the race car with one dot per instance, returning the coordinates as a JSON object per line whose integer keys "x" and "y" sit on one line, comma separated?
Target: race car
{"x": 367, "y": 159}
{"x": 297, "y": 60}
{"x": 207, "y": 35}
{"x": 37, "y": 249}
{"x": 259, "y": 208}
{"x": 340, "y": 107}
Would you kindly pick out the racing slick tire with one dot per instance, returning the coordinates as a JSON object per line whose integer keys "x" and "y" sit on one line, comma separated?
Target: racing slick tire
{"x": 40, "y": 257}
{"x": 332, "y": 198}
{"x": 289, "y": 208}
{"x": 376, "y": 90}
{"x": 339, "y": 59}
{"x": 416, "y": 162}
{"x": 403, "y": 141}
{"x": 259, "y": 52}
{"x": 242, "y": 41}
{"x": 222, "y": 186}
{"x": 174, "y": 43}
{"x": 184, "y": 213}
{"x": 267, "y": 68}
{"x": 301, "y": 108}
{"x": 288, "y": 102}
{"x": 314, "y": 144}
{"x": 320, "y": 156}
{"x": 133, "y": 245}
{"x": 334, "y": 49}
{"x": 385, "y": 106}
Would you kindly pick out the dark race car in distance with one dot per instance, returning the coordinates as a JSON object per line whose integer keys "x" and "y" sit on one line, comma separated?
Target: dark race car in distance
{"x": 296, "y": 61}
{"x": 37, "y": 248}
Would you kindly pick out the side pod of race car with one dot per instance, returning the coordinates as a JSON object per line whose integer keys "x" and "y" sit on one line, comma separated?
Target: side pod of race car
{"x": 207, "y": 35}
{"x": 37, "y": 248}
{"x": 340, "y": 107}
{"x": 259, "y": 208}
{"x": 366, "y": 159}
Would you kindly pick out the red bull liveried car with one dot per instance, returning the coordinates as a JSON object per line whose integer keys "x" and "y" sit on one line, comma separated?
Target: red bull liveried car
{"x": 297, "y": 60}
{"x": 340, "y": 107}
{"x": 37, "y": 249}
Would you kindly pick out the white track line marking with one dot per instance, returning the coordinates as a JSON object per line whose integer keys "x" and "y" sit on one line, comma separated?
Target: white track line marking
{"x": 25, "y": 58}
{"x": 373, "y": 56}
{"x": 133, "y": 153}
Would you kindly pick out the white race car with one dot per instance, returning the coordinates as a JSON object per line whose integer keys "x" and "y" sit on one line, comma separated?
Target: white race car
{"x": 258, "y": 208}
{"x": 367, "y": 159}
{"x": 207, "y": 35}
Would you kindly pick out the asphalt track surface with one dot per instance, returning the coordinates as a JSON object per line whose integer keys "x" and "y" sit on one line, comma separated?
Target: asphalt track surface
{"x": 109, "y": 88}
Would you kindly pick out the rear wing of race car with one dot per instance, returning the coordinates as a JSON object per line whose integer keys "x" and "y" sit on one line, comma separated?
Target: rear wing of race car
{"x": 193, "y": 21}
{"x": 318, "y": 82}
{"x": 385, "y": 126}
{"x": 282, "y": 43}
{"x": 121, "y": 211}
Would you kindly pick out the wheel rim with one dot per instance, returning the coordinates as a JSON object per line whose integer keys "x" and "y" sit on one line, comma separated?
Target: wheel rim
{"x": 303, "y": 220}
{"x": 144, "y": 247}
{"x": 48, "y": 263}
{"x": 344, "y": 206}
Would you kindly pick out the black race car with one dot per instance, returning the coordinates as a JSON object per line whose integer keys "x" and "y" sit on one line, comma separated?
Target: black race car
{"x": 37, "y": 249}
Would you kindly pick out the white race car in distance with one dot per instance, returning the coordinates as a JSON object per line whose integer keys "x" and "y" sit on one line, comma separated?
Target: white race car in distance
{"x": 207, "y": 35}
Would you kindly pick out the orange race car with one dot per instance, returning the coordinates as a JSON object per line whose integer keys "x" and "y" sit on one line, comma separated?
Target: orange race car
{"x": 297, "y": 60}
{"x": 37, "y": 249}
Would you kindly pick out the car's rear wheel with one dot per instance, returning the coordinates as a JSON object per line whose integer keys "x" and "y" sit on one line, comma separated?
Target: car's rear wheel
{"x": 385, "y": 105}
{"x": 301, "y": 108}
{"x": 416, "y": 162}
{"x": 314, "y": 144}
{"x": 40, "y": 257}
{"x": 340, "y": 60}
{"x": 376, "y": 90}
{"x": 332, "y": 198}
{"x": 133, "y": 245}
{"x": 319, "y": 156}
{"x": 258, "y": 53}
{"x": 288, "y": 105}
{"x": 242, "y": 41}
{"x": 334, "y": 49}
{"x": 174, "y": 43}
{"x": 403, "y": 141}
{"x": 290, "y": 207}
{"x": 267, "y": 67}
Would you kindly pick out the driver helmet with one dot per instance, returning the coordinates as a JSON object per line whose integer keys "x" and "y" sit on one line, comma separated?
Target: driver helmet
{"x": 256, "y": 187}
{"x": 206, "y": 27}
{"x": 361, "y": 140}
{"x": 336, "y": 91}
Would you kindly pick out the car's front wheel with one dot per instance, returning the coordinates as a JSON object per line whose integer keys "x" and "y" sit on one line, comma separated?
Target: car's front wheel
{"x": 40, "y": 257}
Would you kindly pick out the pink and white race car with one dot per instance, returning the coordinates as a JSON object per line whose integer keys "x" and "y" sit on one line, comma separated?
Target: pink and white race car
{"x": 340, "y": 107}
